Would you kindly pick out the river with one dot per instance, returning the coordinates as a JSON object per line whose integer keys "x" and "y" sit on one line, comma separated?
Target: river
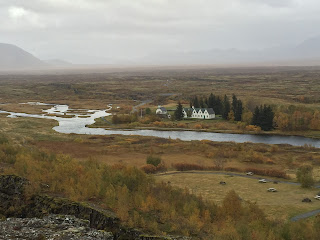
{"x": 81, "y": 118}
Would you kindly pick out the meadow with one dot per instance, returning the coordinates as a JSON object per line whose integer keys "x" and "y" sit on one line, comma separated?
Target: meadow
{"x": 284, "y": 88}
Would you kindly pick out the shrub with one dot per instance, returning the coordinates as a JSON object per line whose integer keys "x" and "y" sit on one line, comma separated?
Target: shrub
{"x": 190, "y": 166}
{"x": 161, "y": 168}
{"x": 153, "y": 160}
{"x": 124, "y": 118}
{"x": 149, "y": 168}
{"x": 187, "y": 166}
{"x": 253, "y": 128}
{"x": 181, "y": 125}
{"x": 233, "y": 169}
{"x": 268, "y": 172}
{"x": 198, "y": 126}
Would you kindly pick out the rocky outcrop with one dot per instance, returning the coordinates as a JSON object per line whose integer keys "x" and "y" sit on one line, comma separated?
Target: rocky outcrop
{"x": 58, "y": 227}
{"x": 14, "y": 203}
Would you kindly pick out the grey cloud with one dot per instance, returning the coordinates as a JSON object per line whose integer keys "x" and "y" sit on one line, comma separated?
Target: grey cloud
{"x": 129, "y": 29}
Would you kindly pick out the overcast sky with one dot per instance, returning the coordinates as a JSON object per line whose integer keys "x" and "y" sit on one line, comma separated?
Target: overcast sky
{"x": 83, "y": 31}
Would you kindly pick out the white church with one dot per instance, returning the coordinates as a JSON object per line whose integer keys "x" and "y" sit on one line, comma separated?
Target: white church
{"x": 200, "y": 113}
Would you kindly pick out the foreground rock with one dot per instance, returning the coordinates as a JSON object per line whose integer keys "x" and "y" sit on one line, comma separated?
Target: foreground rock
{"x": 56, "y": 227}
{"x": 26, "y": 217}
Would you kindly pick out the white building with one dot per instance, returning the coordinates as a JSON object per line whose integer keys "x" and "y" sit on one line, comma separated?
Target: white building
{"x": 200, "y": 113}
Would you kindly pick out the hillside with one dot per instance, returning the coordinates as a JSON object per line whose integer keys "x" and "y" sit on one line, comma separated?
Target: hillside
{"x": 13, "y": 57}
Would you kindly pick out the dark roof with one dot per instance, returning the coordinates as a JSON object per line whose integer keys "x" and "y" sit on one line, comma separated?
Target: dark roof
{"x": 210, "y": 110}
{"x": 163, "y": 109}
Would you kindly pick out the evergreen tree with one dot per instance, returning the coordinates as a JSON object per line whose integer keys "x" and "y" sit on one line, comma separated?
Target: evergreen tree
{"x": 255, "y": 117}
{"x": 238, "y": 111}
{"x": 236, "y": 108}
{"x": 234, "y": 103}
{"x": 211, "y": 101}
{"x": 218, "y": 106}
{"x": 201, "y": 103}
{"x": 226, "y": 107}
{"x": 196, "y": 103}
{"x": 263, "y": 117}
{"x": 179, "y": 112}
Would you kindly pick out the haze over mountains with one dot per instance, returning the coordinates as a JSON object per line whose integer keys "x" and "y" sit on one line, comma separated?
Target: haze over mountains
{"x": 306, "y": 53}
{"x": 13, "y": 57}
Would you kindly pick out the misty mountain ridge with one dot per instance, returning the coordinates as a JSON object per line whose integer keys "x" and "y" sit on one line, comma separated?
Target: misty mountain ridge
{"x": 308, "y": 52}
{"x": 13, "y": 57}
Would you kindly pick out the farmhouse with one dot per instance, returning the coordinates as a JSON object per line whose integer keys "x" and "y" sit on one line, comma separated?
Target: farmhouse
{"x": 200, "y": 113}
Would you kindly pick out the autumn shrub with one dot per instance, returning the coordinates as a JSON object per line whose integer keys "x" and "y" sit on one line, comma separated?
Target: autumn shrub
{"x": 124, "y": 118}
{"x": 268, "y": 172}
{"x": 150, "y": 119}
{"x": 233, "y": 169}
{"x": 270, "y": 162}
{"x": 197, "y": 126}
{"x": 181, "y": 125}
{"x": 191, "y": 166}
{"x": 253, "y": 128}
{"x": 161, "y": 168}
{"x": 187, "y": 166}
{"x": 149, "y": 168}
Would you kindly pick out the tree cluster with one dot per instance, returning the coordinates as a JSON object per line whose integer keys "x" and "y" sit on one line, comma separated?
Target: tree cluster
{"x": 263, "y": 117}
{"x": 220, "y": 105}
{"x": 297, "y": 119}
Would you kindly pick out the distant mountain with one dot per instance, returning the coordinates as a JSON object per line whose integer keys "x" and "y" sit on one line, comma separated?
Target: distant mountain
{"x": 13, "y": 57}
{"x": 309, "y": 48}
{"x": 308, "y": 52}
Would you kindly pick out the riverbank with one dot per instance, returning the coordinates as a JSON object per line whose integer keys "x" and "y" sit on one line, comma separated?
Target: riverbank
{"x": 107, "y": 124}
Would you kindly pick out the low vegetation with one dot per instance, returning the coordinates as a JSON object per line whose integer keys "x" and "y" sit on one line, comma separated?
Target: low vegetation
{"x": 140, "y": 202}
{"x": 115, "y": 172}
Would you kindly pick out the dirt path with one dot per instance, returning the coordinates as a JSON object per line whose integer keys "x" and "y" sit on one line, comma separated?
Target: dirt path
{"x": 135, "y": 108}
{"x": 305, "y": 215}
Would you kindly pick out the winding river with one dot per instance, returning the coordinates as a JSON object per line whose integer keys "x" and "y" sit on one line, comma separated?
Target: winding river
{"x": 78, "y": 119}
